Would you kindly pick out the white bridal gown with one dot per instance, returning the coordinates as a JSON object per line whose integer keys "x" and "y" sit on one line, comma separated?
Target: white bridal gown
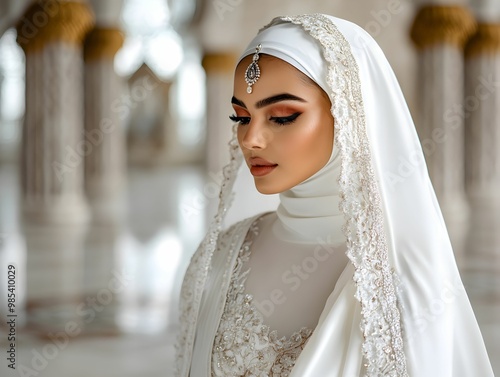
{"x": 356, "y": 260}
{"x": 289, "y": 287}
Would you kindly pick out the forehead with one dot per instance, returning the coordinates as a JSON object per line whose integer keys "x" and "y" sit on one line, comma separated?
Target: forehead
{"x": 265, "y": 60}
{"x": 273, "y": 72}
{"x": 276, "y": 76}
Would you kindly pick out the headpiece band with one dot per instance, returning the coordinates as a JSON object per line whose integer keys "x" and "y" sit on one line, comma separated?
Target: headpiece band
{"x": 252, "y": 74}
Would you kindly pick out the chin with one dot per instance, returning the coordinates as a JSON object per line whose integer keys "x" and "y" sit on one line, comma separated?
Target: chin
{"x": 268, "y": 189}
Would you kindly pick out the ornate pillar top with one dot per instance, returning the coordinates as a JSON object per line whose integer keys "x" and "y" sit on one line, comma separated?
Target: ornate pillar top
{"x": 224, "y": 62}
{"x": 48, "y": 21}
{"x": 102, "y": 43}
{"x": 486, "y": 40}
{"x": 450, "y": 24}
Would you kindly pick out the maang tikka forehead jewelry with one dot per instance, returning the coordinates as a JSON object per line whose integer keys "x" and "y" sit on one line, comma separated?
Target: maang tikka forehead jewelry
{"x": 252, "y": 74}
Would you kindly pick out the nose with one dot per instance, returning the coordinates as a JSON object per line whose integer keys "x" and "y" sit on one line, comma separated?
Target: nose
{"x": 255, "y": 136}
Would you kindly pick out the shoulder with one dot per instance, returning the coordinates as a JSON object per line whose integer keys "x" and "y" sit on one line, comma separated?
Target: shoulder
{"x": 226, "y": 237}
{"x": 242, "y": 226}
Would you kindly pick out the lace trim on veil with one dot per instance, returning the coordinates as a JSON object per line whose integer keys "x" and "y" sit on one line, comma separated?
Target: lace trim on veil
{"x": 196, "y": 275}
{"x": 361, "y": 204}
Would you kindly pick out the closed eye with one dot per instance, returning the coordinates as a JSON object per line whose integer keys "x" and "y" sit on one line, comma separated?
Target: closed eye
{"x": 282, "y": 121}
{"x": 240, "y": 120}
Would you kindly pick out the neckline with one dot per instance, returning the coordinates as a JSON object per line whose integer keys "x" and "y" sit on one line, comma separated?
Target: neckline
{"x": 298, "y": 337}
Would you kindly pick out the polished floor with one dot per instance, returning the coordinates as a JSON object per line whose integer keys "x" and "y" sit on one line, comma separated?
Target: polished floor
{"x": 100, "y": 300}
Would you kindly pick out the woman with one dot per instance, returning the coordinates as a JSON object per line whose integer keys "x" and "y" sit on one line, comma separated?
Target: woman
{"x": 354, "y": 274}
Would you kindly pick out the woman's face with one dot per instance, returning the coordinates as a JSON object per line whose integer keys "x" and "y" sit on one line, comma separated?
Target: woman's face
{"x": 285, "y": 127}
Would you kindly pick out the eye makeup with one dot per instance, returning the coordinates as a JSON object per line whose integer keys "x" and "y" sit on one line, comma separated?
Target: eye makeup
{"x": 281, "y": 121}
{"x": 240, "y": 120}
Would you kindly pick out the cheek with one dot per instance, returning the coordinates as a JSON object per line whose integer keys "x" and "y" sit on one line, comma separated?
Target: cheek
{"x": 311, "y": 141}
{"x": 239, "y": 136}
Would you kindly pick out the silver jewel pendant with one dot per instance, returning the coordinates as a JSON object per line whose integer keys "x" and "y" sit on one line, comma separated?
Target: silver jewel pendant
{"x": 252, "y": 74}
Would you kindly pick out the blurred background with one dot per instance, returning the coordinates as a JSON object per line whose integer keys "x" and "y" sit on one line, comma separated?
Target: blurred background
{"x": 114, "y": 131}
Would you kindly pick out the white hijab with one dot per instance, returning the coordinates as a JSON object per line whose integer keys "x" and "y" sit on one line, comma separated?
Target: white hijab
{"x": 400, "y": 308}
{"x": 308, "y": 212}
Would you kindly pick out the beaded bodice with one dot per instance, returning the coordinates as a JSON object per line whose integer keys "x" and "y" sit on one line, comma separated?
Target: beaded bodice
{"x": 244, "y": 345}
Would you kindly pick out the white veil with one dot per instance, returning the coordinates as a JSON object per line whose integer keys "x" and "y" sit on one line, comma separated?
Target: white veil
{"x": 415, "y": 317}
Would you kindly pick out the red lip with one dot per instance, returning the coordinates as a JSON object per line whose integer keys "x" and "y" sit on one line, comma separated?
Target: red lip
{"x": 258, "y": 161}
{"x": 260, "y": 167}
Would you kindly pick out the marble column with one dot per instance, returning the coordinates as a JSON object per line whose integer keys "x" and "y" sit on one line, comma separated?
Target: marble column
{"x": 53, "y": 149}
{"x": 53, "y": 275}
{"x": 55, "y": 210}
{"x": 482, "y": 146}
{"x": 105, "y": 166}
{"x": 482, "y": 106}
{"x": 219, "y": 68}
{"x": 439, "y": 33}
{"x": 105, "y": 163}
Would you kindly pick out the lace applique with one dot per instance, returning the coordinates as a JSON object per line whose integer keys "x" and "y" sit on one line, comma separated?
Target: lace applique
{"x": 244, "y": 346}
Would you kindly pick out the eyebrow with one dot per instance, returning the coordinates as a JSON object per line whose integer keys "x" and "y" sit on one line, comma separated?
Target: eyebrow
{"x": 270, "y": 100}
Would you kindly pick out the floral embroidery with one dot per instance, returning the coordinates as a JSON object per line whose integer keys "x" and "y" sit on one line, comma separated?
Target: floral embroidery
{"x": 244, "y": 346}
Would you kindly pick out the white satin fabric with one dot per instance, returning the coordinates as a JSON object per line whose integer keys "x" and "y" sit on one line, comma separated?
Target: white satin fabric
{"x": 440, "y": 333}
{"x": 309, "y": 212}
{"x": 290, "y": 44}
{"x": 308, "y": 220}
{"x": 442, "y": 337}
{"x": 301, "y": 275}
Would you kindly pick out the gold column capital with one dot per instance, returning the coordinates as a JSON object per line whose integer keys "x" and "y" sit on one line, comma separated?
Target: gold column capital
{"x": 48, "y": 21}
{"x": 102, "y": 43}
{"x": 221, "y": 62}
{"x": 449, "y": 24}
{"x": 486, "y": 40}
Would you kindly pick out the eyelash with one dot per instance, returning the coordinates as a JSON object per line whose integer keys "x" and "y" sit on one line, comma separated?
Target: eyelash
{"x": 280, "y": 121}
{"x": 241, "y": 120}
{"x": 283, "y": 121}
